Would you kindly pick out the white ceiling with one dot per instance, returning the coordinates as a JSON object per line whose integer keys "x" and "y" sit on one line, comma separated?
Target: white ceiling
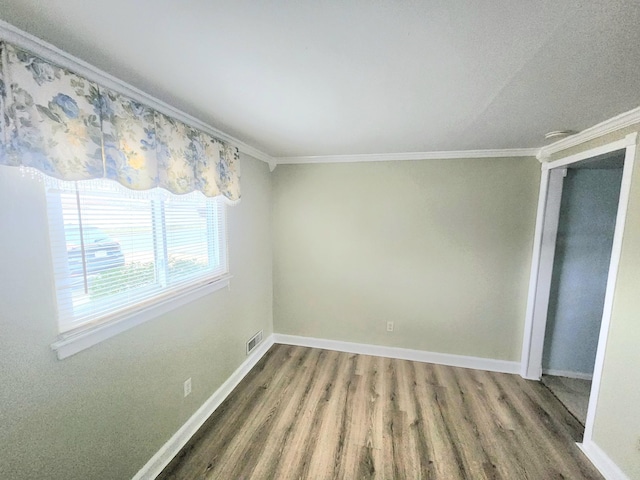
{"x": 297, "y": 78}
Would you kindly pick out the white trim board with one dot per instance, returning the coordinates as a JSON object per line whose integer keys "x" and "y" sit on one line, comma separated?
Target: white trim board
{"x": 601, "y": 461}
{"x": 53, "y": 54}
{"x": 542, "y": 259}
{"x": 629, "y": 140}
{"x": 611, "y": 125}
{"x": 546, "y": 230}
{"x": 72, "y": 342}
{"x": 477, "y": 363}
{"x": 616, "y": 251}
{"x": 386, "y": 157}
{"x": 170, "y": 449}
{"x": 567, "y": 374}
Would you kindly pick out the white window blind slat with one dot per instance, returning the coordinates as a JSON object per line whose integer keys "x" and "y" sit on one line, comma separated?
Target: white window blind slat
{"x": 116, "y": 250}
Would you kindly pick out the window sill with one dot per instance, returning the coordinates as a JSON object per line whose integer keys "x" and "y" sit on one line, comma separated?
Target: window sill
{"x": 73, "y": 342}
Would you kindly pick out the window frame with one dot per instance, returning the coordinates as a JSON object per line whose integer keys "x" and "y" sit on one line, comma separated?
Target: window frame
{"x": 74, "y": 339}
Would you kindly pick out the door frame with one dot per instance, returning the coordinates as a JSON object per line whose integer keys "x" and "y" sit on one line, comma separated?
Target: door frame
{"x": 542, "y": 263}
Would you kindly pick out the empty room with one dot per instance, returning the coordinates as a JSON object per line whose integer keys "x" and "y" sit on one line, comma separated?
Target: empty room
{"x": 319, "y": 240}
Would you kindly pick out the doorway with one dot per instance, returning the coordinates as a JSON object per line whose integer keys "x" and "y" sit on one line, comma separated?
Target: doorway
{"x": 540, "y": 284}
{"x": 586, "y": 225}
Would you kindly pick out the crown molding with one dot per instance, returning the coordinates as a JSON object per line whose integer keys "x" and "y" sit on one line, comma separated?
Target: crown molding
{"x": 603, "y": 128}
{"x": 53, "y": 54}
{"x": 385, "y": 157}
{"x": 48, "y": 51}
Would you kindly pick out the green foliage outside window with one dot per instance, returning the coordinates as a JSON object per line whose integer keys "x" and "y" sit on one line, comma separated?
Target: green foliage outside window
{"x": 139, "y": 274}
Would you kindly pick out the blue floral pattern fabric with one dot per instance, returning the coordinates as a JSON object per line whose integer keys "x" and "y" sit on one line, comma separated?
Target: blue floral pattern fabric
{"x": 218, "y": 170}
{"x": 177, "y": 153}
{"x": 129, "y": 136}
{"x": 70, "y": 128}
{"x": 51, "y": 120}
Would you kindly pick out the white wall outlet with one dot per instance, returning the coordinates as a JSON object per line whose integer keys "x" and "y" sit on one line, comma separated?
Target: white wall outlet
{"x": 389, "y": 326}
{"x": 187, "y": 386}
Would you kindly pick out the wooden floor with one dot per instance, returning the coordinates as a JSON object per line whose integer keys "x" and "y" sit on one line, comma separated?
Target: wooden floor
{"x": 306, "y": 413}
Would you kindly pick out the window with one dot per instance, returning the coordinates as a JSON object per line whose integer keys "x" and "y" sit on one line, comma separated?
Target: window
{"x": 117, "y": 252}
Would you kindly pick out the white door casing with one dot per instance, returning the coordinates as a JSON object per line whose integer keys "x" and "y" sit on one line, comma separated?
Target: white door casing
{"x": 542, "y": 264}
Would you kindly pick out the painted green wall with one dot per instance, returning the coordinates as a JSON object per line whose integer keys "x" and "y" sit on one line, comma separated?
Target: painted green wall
{"x": 617, "y": 421}
{"x": 440, "y": 247}
{"x": 103, "y": 413}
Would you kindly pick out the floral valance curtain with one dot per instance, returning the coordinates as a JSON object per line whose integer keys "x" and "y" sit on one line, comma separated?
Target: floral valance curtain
{"x": 71, "y": 128}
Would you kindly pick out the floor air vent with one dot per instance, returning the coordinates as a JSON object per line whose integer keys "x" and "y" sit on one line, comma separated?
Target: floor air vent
{"x": 254, "y": 341}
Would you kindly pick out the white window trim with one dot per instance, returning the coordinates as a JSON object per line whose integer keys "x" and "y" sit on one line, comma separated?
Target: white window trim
{"x": 75, "y": 341}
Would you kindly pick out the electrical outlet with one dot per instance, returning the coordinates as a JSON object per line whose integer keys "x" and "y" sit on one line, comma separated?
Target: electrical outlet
{"x": 187, "y": 386}
{"x": 389, "y": 326}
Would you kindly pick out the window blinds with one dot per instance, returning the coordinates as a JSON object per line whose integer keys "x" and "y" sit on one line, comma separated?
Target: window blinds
{"x": 116, "y": 251}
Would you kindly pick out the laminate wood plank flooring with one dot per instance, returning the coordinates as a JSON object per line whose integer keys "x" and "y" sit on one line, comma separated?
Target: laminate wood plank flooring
{"x": 304, "y": 413}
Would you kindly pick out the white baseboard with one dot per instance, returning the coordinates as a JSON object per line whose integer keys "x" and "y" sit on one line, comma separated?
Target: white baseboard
{"x": 601, "y": 461}
{"x": 567, "y": 374}
{"x": 477, "y": 363}
{"x": 161, "y": 459}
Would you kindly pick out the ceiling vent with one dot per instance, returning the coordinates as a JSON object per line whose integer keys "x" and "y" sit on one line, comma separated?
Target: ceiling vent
{"x": 558, "y": 134}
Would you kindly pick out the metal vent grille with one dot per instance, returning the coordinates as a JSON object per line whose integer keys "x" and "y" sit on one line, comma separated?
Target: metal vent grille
{"x": 254, "y": 342}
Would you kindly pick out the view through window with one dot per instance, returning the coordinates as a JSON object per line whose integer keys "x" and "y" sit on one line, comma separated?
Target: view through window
{"x": 116, "y": 250}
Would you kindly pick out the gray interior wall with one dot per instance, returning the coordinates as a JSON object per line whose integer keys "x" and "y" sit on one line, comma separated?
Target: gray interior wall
{"x": 104, "y": 412}
{"x": 581, "y": 264}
